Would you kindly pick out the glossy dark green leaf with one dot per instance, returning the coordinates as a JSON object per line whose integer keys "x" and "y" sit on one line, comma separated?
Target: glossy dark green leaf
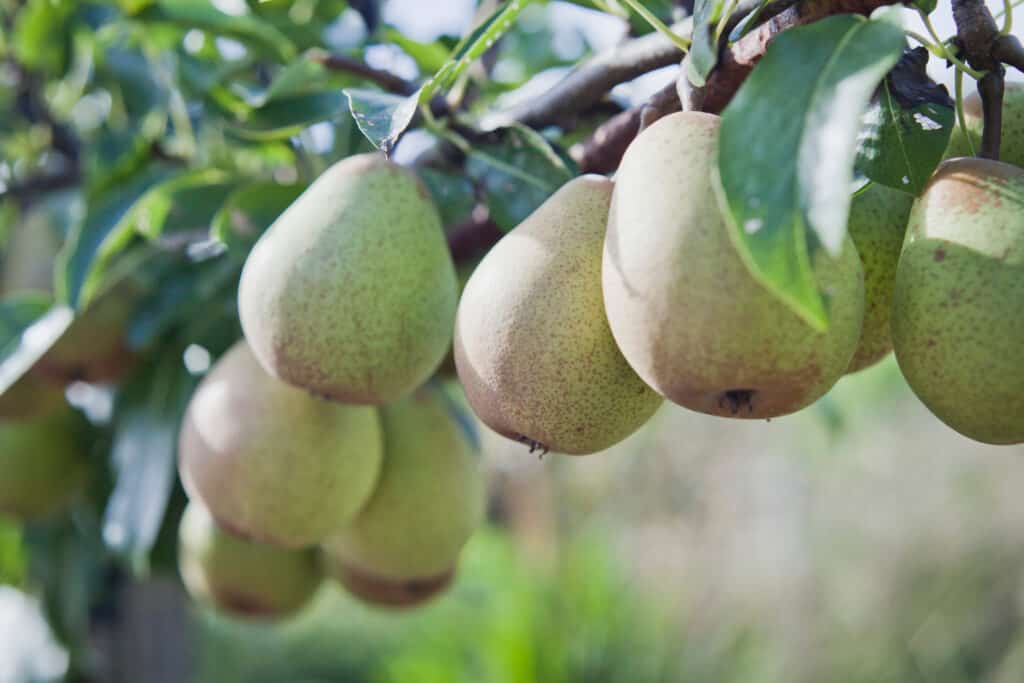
{"x": 786, "y": 155}
{"x": 901, "y": 147}
{"x": 147, "y": 420}
{"x": 516, "y": 174}
{"x": 282, "y": 118}
{"x": 704, "y": 50}
{"x": 249, "y": 211}
{"x": 454, "y": 195}
{"x": 185, "y": 203}
{"x": 105, "y": 230}
{"x": 382, "y": 117}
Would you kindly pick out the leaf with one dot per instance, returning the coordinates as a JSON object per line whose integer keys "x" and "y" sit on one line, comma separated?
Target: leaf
{"x": 105, "y": 230}
{"x": 148, "y": 416}
{"x": 454, "y": 195}
{"x": 249, "y": 211}
{"x": 704, "y": 50}
{"x": 906, "y": 129}
{"x": 429, "y": 57}
{"x": 517, "y": 173}
{"x": 381, "y": 117}
{"x": 29, "y": 327}
{"x": 786, "y": 155}
{"x": 39, "y": 36}
{"x": 185, "y": 203}
{"x": 203, "y": 14}
{"x": 285, "y": 117}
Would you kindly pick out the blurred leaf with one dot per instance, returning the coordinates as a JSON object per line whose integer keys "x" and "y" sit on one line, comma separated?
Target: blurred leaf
{"x": 149, "y": 412}
{"x": 13, "y": 562}
{"x": 381, "y": 117}
{"x": 185, "y": 203}
{"x": 203, "y": 14}
{"x": 926, "y": 6}
{"x": 453, "y": 195}
{"x": 429, "y": 57}
{"x": 102, "y": 232}
{"x": 296, "y": 78}
{"x": 516, "y": 174}
{"x": 40, "y": 34}
{"x": 134, "y": 6}
{"x": 786, "y": 155}
{"x": 285, "y": 117}
{"x": 250, "y": 210}
{"x": 704, "y": 50}
{"x": 25, "y": 345}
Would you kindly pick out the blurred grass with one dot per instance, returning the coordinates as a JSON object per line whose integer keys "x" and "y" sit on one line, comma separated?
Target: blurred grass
{"x": 857, "y": 541}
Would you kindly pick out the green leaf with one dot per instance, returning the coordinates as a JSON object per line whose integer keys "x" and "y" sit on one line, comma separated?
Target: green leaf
{"x": 786, "y": 154}
{"x": 40, "y": 34}
{"x": 517, "y": 173}
{"x": 106, "y": 229}
{"x": 704, "y": 50}
{"x": 297, "y": 78}
{"x": 901, "y": 147}
{"x": 29, "y": 327}
{"x": 13, "y": 563}
{"x": 429, "y": 57}
{"x": 149, "y": 413}
{"x": 926, "y": 6}
{"x": 185, "y": 203}
{"x": 381, "y": 117}
{"x": 454, "y": 195}
{"x": 203, "y": 14}
{"x": 249, "y": 211}
{"x": 285, "y": 117}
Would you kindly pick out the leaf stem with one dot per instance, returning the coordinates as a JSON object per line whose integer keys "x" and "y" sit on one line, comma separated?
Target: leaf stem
{"x": 1007, "y": 17}
{"x": 958, "y": 87}
{"x": 659, "y": 25}
{"x": 947, "y": 54}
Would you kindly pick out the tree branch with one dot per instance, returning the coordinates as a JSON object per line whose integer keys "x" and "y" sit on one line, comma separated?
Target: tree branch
{"x": 1008, "y": 50}
{"x": 739, "y": 59}
{"x": 586, "y": 85}
{"x": 990, "y": 87}
{"x": 29, "y": 188}
{"x": 385, "y": 79}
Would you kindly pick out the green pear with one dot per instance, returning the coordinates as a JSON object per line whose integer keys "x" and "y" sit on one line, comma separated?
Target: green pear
{"x": 684, "y": 307}
{"x": 381, "y": 591}
{"x": 271, "y": 462}
{"x": 240, "y": 577}
{"x": 44, "y": 463}
{"x": 1011, "y": 148}
{"x": 532, "y": 344}
{"x": 877, "y": 225}
{"x": 30, "y": 396}
{"x": 429, "y": 501}
{"x": 958, "y": 303}
{"x": 351, "y": 293}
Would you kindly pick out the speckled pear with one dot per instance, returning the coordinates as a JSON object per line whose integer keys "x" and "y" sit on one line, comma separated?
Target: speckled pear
{"x": 240, "y": 577}
{"x": 271, "y": 462}
{"x": 532, "y": 344}
{"x": 44, "y": 463}
{"x": 684, "y": 308}
{"x": 958, "y": 302}
{"x": 877, "y": 225}
{"x": 429, "y": 501}
{"x": 351, "y": 293}
{"x": 1011, "y": 148}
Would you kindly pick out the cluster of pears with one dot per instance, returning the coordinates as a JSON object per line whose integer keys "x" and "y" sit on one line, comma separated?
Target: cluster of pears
{"x": 316, "y": 446}
{"x": 611, "y": 296}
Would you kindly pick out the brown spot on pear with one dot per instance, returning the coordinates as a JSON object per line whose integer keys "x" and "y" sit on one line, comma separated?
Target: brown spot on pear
{"x": 240, "y": 577}
{"x": 877, "y": 225}
{"x": 428, "y": 502}
{"x": 1011, "y": 148}
{"x": 351, "y": 293}
{"x": 532, "y": 344}
{"x": 964, "y": 356}
{"x": 271, "y": 462}
{"x": 685, "y": 309}
{"x": 44, "y": 463}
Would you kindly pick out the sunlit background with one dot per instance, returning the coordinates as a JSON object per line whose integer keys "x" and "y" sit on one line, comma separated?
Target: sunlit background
{"x": 860, "y": 540}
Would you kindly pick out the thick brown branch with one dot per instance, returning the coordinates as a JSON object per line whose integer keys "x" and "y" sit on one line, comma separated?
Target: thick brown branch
{"x": 990, "y": 87}
{"x": 976, "y": 32}
{"x": 385, "y": 79}
{"x": 593, "y": 79}
{"x": 738, "y": 60}
{"x": 1008, "y": 50}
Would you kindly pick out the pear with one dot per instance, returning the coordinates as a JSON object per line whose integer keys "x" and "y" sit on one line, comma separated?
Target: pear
{"x": 381, "y": 591}
{"x": 532, "y": 344}
{"x": 44, "y": 463}
{"x": 30, "y": 396}
{"x": 958, "y": 302}
{"x": 351, "y": 293}
{"x": 684, "y": 308}
{"x": 1011, "y": 147}
{"x": 239, "y": 577}
{"x": 271, "y": 462}
{"x": 429, "y": 501}
{"x": 877, "y": 225}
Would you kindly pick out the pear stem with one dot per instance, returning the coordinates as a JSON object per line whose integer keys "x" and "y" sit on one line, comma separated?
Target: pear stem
{"x": 991, "y": 90}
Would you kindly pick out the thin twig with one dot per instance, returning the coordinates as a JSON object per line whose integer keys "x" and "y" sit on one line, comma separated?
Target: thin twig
{"x": 385, "y": 79}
